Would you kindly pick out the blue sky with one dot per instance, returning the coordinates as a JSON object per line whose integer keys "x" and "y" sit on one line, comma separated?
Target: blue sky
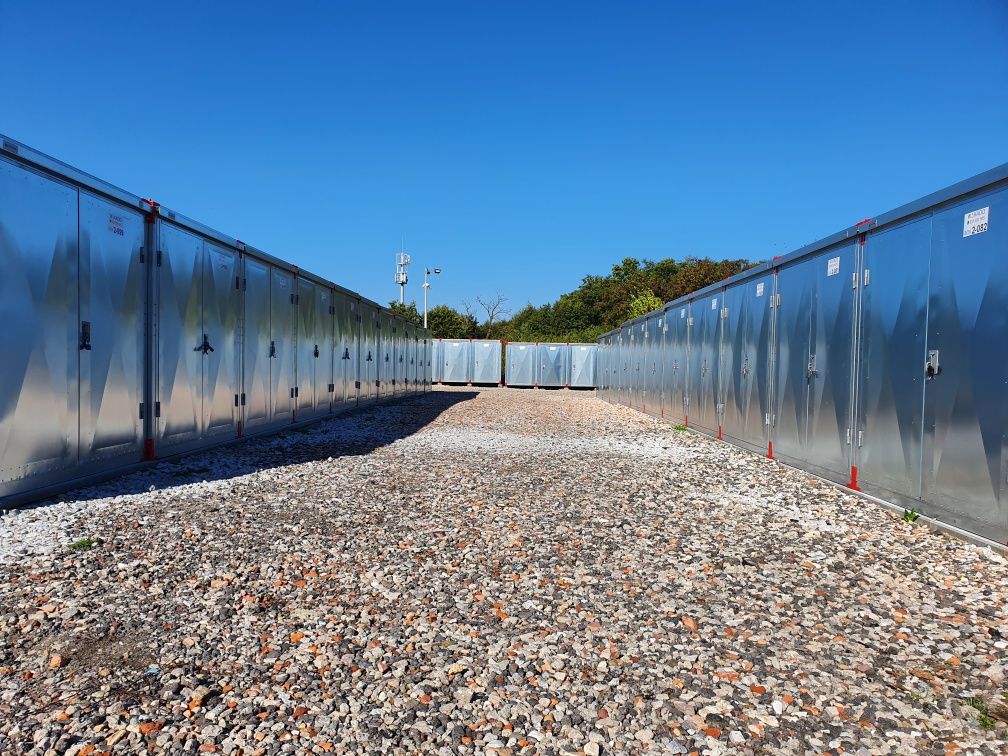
{"x": 517, "y": 145}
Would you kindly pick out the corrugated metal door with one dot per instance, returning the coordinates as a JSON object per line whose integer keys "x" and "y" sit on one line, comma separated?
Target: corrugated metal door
{"x": 220, "y": 340}
{"x": 347, "y": 350}
{"x": 705, "y": 342}
{"x": 113, "y": 288}
{"x": 745, "y": 362}
{"x": 38, "y": 306}
{"x": 893, "y": 338}
{"x": 674, "y": 373}
{"x": 325, "y": 317}
{"x": 638, "y": 378}
{"x": 831, "y": 362}
{"x": 307, "y": 344}
{"x": 180, "y": 336}
{"x": 283, "y": 352}
{"x": 256, "y": 360}
{"x": 793, "y": 331}
{"x": 654, "y": 364}
{"x": 965, "y": 409}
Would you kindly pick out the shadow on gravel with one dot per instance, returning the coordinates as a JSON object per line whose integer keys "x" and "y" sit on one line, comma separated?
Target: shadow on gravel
{"x": 353, "y": 433}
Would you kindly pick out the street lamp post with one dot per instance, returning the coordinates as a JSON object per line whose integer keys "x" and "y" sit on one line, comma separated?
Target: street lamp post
{"x": 426, "y": 285}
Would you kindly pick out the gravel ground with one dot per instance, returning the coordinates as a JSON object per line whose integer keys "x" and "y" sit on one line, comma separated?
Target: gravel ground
{"x": 498, "y": 571}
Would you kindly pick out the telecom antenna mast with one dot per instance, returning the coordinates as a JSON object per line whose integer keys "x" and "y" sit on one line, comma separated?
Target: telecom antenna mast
{"x": 402, "y": 275}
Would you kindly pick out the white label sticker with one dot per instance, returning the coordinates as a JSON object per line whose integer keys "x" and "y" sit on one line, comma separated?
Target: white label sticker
{"x": 833, "y": 266}
{"x": 115, "y": 225}
{"x": 975, "y": 222}
{"x": 713, "y": 304}
{"x": 759, "y": 290}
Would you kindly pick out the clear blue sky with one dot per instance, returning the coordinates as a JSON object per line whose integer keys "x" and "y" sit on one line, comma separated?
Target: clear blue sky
{"x": 518, "y": 145}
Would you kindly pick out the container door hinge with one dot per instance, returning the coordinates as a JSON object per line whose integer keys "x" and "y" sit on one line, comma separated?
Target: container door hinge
{"x": 159, "y": 258}
{"x": 867, "y": 276}
{"x": 236, "y": 400}
{"x": 238, "y": 283}
{"x": 860, "y": 438}
{"x": 157, "y": 409}
{"x": 854, "y": 280}
{"x": 243, "y": 400}
{"x": 848, "y": 435}
{"x": 141, "y": 411}
{"x": 142, "y": 254}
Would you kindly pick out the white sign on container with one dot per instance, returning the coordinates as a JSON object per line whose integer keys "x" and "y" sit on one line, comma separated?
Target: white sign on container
{"x": 833, "y": 266}
{"x": 975, "y": 221}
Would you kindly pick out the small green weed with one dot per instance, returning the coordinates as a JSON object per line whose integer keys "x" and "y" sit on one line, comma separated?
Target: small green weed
{"x": 82, "y": 545}
{"x": 910, "y": 515}
{"x": 679, "y": 427}
{"x": 984, "y": 719}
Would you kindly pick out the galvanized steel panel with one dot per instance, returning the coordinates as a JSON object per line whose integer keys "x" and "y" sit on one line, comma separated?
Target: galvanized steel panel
{"x": 745, "y": 361}
{"x": 256, "y": 359}
{"x": 674, "y": 364}
{"x": 113, "y": 296}
{"x": 456, "y": 362}
{"x": 893, "y": 342}
{"x": 369, "y": 353}
{"x": 793, "y": 329}
{"x": 705, "y": 351}
{"x": 653, "y": 365}
{"x": 486, "y": 356}
{"x": 347, "y": 350}
{"x": 584, "y": 372}
{"x": 180, "y": 336}
{"x": 283, "y": 349}
{"x": 554, "y": 365}
{"x": 219, "y": 345}
{"x": 307, "y": 341}
{"x": 965, "y": 409}
{"x": 437, "y": 361}
{"x": 38, "y": 306}
{"x": 522, "y": 364}
{"x": 325, "y": 318}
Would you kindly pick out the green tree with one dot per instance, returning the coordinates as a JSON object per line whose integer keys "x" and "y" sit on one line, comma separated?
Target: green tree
{"x": 408, "y": 311}
{"x": 644, "y": 301}
{"x": 447, "y": 323}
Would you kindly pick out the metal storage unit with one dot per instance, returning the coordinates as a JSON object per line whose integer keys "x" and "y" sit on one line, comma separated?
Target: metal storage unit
{"x": 72, "y": 298}
{"x": 522, "y": 365}
{"x": 428, "y": 364}
{"x": 456, "y": 360}
{"x": 198, "y": 310}
{"x": 554, "y": 366}
{"x": 486, "y": 359}
{"x": 584, "y": 372}
{"x": 745, "y": 361}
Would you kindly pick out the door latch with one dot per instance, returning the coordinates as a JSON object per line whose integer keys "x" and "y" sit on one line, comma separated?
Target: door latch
{"x": 316, "y": 351}
{"x": 205, "y": 346}
{"x": 811, "y": 372}
{"x": 85, "y": 336}
{"x": 931, "y": 367}
{"x": 272, "y": 352}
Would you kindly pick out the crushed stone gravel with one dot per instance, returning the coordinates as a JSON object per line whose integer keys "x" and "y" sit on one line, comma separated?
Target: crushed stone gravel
{"x": 494, "y": 571}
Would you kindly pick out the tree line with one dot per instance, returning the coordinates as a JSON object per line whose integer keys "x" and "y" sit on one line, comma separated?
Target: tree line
{"x": 600, "y": 303}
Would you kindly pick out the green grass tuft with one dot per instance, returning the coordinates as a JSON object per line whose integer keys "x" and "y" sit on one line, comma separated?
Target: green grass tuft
{"x": 82, "y": 545}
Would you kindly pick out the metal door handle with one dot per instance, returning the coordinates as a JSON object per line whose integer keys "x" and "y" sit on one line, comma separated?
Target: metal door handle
{"x": 316, "y": 351}
{"x": 85, "y": 336}
{"x": 205, "y": 346}
{"x": 811, "y": 372}
{"x": 931, "y": 366}
{"x": 272, "y": 352}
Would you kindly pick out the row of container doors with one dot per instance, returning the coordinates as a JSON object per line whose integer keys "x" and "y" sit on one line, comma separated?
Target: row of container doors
{"x": 245, "y": 344}
{"x": 876, "y": 362}
{"x": 236, "y": 344}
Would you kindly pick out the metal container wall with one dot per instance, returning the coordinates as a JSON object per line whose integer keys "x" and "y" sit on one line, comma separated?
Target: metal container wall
{"x": 584, "y": 372}
{"x": 554, "y": 366}
{"x": 307, "y": 348}
{"x": 282, "y": 347}
{"x": 456, "y": 361}
{"x": 745, "y": 361}
{"x": 486, "y": 356}
{"x": 437, "y": 361}
{"x": 256, "y": 403}
{"x": 522, "y": 364}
